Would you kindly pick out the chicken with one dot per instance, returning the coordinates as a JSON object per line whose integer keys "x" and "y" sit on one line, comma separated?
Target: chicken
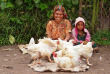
{"x": 63, "y": 43}
{"x": 32, "y": 50}
{"x": 86, "y": 51}
{"x": 48, "y": 46}
{"x": 44, "y": 48}
{"x": 63, "y": 62}
{"x": 67, "y": 49}
{"x": 58, "y": 53}
{"x": 32, "y": 41}
{"x": 71, "y": 41}
{"x": 72, "y": 54}
{"x": 79, "y": 50}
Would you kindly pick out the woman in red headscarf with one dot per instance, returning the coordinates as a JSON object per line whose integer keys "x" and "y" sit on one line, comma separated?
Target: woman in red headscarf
{"x": 58, "y": 26}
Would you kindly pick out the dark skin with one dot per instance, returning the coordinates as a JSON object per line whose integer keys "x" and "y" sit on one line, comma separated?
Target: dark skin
{"x": 80, "y": 27}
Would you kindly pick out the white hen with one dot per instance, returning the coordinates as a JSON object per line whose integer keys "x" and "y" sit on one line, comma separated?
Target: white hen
{"x": 47, "y": 47}
{"x": 32, "y": 50}
{"x": 44, "y": 48}
{"x": 72, "y": 54}
{"x": 86, "y": 51}
{"x": 63, "y": 62}
{"x": 62, "y": 44}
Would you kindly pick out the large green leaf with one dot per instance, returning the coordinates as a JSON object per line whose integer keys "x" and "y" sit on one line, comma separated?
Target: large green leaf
{"x": 36, "y": 1}
{"x": 9, "y": 4}
{"x": 6, "y": 5}
{"x": 11, "y": 39}
{"x": 49, "y": 13}
{"x": 43, "y": 6}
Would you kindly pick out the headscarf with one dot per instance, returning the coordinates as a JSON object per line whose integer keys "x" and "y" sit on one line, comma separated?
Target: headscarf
{"x": 79, "y": 19}
{"x": 61, "y": 8}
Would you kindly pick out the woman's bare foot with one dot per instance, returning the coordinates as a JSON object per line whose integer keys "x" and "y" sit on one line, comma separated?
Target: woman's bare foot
{"x": 95, "y": 50}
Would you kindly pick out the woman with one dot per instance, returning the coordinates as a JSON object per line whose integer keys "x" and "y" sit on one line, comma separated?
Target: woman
{"x": 58, "y": 26}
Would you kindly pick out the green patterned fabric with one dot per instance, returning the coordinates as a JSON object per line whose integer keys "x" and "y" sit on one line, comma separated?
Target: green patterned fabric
{"x": 82, "y": 37}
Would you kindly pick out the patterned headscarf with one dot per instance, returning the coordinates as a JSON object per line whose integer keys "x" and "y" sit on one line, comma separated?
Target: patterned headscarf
{"x": 61, "y": 8}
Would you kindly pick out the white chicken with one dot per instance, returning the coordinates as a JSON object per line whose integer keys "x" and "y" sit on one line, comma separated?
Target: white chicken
{"x": 32, "y": 47}
{"x": 58, "y": 53}
{"x": 32, "y": 41}
{"x": 68, "y": 50}
{"x": 63, "y": 44}
{"x": 79, "y": 50}
{"x": 63, "y": 62}
{"x": 45, "y": 48}
{"x": 72, "y": 54}
{"x": 86, "y": 51}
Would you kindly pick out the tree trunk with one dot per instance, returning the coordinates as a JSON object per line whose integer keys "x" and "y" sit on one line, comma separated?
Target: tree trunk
{"x": 95, "y": 15}
{"x": 80, "y": 7}
{"x": 109, "y": 19}
{"x": 102, "y": 21}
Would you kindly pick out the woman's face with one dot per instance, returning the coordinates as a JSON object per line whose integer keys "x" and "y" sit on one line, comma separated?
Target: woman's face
{"x": 80, "y": 26}
{"x": 58, "y": 16}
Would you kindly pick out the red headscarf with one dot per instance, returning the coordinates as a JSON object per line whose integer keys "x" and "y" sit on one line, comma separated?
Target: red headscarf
{"x": 61, "y": 8}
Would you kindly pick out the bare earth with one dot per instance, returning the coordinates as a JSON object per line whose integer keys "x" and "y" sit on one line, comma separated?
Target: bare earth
{"x": 12, "y": 61}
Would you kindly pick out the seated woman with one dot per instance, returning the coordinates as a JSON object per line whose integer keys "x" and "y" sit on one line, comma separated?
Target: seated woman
{"x": 58, "y": 26}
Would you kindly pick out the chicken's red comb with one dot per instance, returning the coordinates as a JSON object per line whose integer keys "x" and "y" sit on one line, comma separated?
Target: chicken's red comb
{"x": 53, "y": 52}
{"x": 58, "y": 42}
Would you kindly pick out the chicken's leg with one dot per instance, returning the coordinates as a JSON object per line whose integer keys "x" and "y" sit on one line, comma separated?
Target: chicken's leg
{"x": 34, "y": 62}
{"x": 88, "y": 62}
{"x": 38, "y": 61}
{"x": 49, "y": 59}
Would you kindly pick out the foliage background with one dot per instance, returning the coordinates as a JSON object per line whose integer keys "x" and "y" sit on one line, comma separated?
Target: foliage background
{"x": 22, "y": 19}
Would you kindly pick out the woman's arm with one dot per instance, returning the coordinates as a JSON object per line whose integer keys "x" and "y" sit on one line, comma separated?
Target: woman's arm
{"x": 68, "y": 30}
{"x": 49, "y": 29}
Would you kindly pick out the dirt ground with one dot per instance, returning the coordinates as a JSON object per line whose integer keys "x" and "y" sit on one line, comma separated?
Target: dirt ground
{"x": 12, "y": 61}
